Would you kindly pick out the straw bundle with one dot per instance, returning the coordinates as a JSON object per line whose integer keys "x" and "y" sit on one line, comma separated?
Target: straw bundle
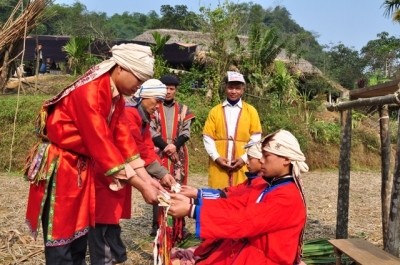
{"x": 18, "y": 25}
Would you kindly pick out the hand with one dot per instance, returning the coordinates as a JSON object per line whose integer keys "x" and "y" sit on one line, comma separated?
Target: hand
{"x": 149, "y": 194}
{"x": 189, "y": 191}
{"x": 177, "y": 197}
{"x": 237, "y": 164}
{"x": 156, "y": 184}
{"x": 167, "y": 181}
{"x": 185, "y": 256}
{"x": 179, "y": 205}
{"x": 170, "y": 149}
{"x": 174, "y": 157}
{"x": 223, "y": 163}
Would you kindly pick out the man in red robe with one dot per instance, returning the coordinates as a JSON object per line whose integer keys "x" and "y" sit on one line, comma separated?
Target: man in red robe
{"x": 86, "y": 143}
{"x": 262, "y": 226}
{"x": 105, "y": 243}
{"x": 139, "y": 110}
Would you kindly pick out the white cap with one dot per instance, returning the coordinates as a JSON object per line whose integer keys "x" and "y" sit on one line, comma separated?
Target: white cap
{"x": 235, "y": 77}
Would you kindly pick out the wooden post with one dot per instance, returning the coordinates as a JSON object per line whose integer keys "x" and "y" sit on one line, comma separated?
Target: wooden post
{"x": 386, "y": 187}
{"x": 342, "y": 217}
{"x": 393, "y": 242}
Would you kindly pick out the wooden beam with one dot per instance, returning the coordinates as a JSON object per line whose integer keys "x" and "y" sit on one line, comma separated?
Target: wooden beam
{"x": 374, "y": 101}
{"x": 374, "y": 91}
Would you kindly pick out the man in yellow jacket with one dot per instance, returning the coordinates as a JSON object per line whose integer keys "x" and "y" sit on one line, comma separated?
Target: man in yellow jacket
{"x": 228, "y": 128}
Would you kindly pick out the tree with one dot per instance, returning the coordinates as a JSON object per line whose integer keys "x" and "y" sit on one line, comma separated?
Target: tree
{"x": 344, "y": 65}
{"x": 392, "y": 9}
{"x": 279, "y": 17}
{"x": 7, "y": 7}
{"x": 79, "y": 59}
{"x": 382, "y": 54}
{"x": 178, "y": 17}
{"x": 263, "y": 47}
{"x": 222, "y": 26}
{"x": 126, "y": 26}
{"x": 249, "y": 14}
{"x": 160, "y": 64}
{"x": 68, "y": 20}
{"x": 297, "y": 40}
{"x": 76, "y": 20}
{"x": 282, "y": 86}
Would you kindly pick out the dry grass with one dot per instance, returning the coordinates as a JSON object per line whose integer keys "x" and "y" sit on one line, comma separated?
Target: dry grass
{"x": 17, "y": 247}
{"x": 41, "y": 84}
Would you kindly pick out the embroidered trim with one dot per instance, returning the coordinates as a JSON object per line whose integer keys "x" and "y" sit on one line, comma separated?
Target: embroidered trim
{"x": 115, "y": 170}
{"x": 36, "y": 163}
{"x": 51, "y": 206}
{"x": 65, "y": 241}
{"x": 132, "y": 158}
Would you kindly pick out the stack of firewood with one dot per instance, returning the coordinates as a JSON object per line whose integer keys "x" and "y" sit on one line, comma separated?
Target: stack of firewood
{"x": 20, "y": 23}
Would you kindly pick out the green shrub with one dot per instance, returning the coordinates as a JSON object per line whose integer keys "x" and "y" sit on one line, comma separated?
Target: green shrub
{"x": 367, "y": 138}
{"x": 325, "y": 132}
{"x": 311, "y": 133}
{"x": 24, "y": 135}
{"x": 196, "y": 103}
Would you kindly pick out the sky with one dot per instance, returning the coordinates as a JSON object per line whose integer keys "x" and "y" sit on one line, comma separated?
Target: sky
{"x": 351, "y": 22}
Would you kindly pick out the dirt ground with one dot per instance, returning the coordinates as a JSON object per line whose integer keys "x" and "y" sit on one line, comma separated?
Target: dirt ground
{"x": 17, "y": 246}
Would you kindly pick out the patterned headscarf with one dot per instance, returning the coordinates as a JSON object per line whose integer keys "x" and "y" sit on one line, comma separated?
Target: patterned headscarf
{"x": 254, "y": 150}
{"x": 152, "y": 88}
{"x": 283, "y": 143}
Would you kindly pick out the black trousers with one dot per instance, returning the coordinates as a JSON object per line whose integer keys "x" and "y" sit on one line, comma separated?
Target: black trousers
{"x": 70, "y": 254}
{"x": 155, "y": 217}
{"x": 105, "y": 245}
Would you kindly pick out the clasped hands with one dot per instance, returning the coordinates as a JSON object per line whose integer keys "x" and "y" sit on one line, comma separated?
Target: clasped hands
{"x": 170, "y": 149}
{"x": 234, "y": 165}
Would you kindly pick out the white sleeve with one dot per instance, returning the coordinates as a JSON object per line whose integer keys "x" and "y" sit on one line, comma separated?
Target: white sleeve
{"x": 210, "y": 147}
{"x": 253, "y": 139}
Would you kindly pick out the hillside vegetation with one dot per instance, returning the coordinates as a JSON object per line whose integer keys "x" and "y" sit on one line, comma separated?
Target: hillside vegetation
{"x": 317, "y": 129}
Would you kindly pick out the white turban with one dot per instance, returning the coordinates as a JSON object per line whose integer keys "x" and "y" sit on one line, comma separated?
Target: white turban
{"x": 152, "y": 88}
{"x": 132, "y": 57}
{"x": 283, "y": 143}
{"x": 136, "y": 58}
{"x": 254, "y": 150}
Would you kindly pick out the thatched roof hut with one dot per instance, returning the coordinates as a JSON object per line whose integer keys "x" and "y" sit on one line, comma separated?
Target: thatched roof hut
{"x": 202, "y": 41}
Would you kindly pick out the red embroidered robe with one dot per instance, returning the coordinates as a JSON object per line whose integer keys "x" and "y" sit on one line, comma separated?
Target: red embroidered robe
{"x": 237, "y": 230}
{"x": 87, "y": 145}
